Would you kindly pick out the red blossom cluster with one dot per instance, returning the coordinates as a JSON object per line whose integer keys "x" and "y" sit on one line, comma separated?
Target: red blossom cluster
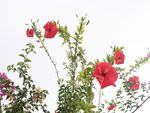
{"x": 50, "y": 30}
{"x": 105, "y": 73}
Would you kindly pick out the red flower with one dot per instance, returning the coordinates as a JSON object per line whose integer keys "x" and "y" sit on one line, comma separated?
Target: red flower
{"x": 134, "y": 82}
{"x": 119, "y": 57}
{"x": 50, "y": 30}
{"x": 111, "y": 106}
{"x": 30, "y": 32}
{"x": 105, "y": 74}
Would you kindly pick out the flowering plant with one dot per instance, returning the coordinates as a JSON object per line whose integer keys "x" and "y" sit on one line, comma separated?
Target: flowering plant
{"x": 76, "y": 94}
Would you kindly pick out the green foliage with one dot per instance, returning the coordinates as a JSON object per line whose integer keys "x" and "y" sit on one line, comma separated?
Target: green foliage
{"x": 76, "y": 94}
{"x": 134, "y": 98}
{"x": 26, "y": 97}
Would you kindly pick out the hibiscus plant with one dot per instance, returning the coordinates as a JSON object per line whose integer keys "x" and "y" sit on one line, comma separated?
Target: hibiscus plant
{"x": 76, "y": 94}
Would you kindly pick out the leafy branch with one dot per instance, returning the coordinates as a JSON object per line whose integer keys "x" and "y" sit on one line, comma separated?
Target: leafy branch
{"x": 27, "y": 97}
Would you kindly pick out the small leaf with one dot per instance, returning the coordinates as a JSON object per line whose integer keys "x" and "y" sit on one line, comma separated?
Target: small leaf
{"x": 22, "y": 55}
{"x": 27, "y": 60}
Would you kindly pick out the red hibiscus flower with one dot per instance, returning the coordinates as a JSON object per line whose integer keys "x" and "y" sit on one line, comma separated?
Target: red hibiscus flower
{"x": 50, "y": 30}
{"x": 105, "y": 74}
{"x": 119, "y": 57}
{"x": 30, "y": 32}
{"x": 134, "y": 82}
{"x": 111, "y": 106}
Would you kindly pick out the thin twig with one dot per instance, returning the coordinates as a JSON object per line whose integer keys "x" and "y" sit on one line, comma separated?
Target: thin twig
{"x": 39, "y": 36}
{"x": 52, "y": 61}
{"x": 141, "y": 104}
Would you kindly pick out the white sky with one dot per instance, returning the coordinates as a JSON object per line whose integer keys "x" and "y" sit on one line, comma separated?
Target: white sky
{"x": 112, "y": 22}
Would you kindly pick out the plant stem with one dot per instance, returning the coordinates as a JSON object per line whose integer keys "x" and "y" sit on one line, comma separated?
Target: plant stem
{"x": 99, "y": 100}
{"x": 141, "y": 104}
{"x": 50, "y": 58}
{"x": 39, "y": 36}
{"x": 75, "y": 63}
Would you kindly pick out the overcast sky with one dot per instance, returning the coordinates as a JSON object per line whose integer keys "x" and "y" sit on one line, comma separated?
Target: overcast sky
{"x": 112, "y": 22}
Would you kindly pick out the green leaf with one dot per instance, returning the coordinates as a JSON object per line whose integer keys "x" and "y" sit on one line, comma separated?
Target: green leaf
{"x": 22, "y": 55}
{"x": 27, "y": 60}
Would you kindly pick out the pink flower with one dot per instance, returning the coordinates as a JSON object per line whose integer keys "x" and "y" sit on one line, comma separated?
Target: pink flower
{"x": 105, "y": 74}
{"x": 119, "y": 57}
{"x": 30, "y": 32}
{"x": 1, "y": 91}
{"x": 134, "y": 82}
{"x": 50, "y": 30}
{"x": 3, "y": 76}
{"x": 148, "y": 55}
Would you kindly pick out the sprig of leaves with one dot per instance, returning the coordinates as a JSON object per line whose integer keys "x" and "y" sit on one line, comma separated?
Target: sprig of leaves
{"x": 26, "y": 97}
